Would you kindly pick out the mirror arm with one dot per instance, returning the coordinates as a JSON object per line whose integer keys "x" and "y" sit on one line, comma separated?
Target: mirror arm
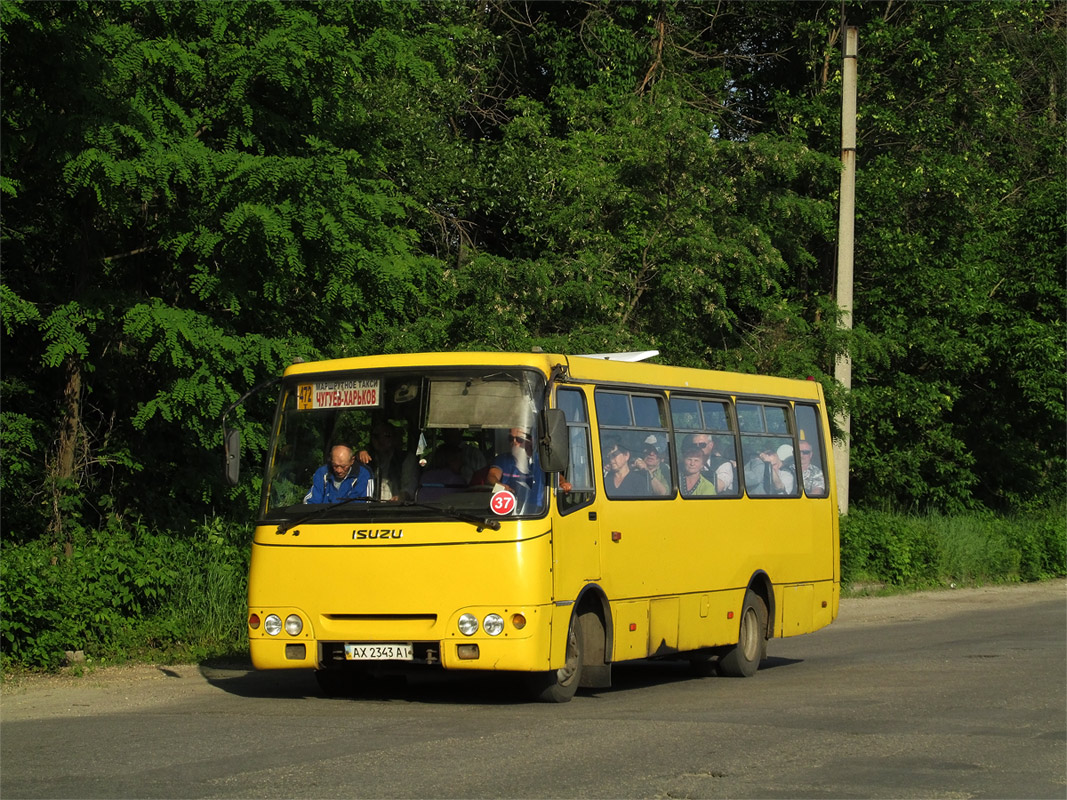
{"x": 545, "y": 444}
{"x": 231, "y": 437}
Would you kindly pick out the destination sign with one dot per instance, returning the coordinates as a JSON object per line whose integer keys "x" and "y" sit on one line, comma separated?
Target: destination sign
{"x": 339, "y": 394}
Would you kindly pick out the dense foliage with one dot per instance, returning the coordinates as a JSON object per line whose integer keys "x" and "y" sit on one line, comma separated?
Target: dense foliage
{"x": 126, "y": 592}
{"x": 921, "y": 552}
{"x": 192, "y": 195}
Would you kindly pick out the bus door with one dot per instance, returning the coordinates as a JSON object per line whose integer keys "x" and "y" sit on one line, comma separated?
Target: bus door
{"x": 638, "y": 528}
{"x": 576, "y": 527}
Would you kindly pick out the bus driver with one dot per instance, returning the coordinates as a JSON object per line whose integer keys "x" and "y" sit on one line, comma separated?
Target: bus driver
{"x": 339, "y": 479}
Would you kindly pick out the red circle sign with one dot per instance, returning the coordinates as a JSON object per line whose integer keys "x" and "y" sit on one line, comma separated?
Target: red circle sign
{"x": 502, "y": 502}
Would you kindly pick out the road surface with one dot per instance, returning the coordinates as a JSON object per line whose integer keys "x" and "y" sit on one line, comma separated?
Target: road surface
{"x": 952, "y": 694}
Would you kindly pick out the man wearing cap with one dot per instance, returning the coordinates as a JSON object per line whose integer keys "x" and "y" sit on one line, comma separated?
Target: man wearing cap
{"x": 767, "y": 473}
{"x": 619, "y": 479}
{"x": 658, "y": 477}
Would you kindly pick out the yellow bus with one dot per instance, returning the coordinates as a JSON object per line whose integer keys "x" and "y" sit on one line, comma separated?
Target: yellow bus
{"x": 542, "y": 514}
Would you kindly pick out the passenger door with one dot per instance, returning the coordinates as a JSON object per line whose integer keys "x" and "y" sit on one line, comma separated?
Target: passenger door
{"x": 576, "y": 530}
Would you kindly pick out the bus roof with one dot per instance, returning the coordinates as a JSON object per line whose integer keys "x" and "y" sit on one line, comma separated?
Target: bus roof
{"x": 580, "y": 369}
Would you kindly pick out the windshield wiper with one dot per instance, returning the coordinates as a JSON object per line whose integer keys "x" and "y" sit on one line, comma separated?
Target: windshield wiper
{"x": 318, "y": 512}
{"x": 473, "y": 519}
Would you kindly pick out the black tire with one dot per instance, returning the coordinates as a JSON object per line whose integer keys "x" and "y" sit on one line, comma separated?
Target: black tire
{"x": 743, "y": 659}
{"x": 559, "y": 685}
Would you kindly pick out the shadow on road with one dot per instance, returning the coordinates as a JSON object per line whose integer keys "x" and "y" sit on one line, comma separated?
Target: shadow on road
{"x": 421, "y": 685}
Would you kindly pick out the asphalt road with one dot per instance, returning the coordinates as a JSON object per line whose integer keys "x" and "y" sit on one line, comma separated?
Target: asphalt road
{"x": 953, "y": 694}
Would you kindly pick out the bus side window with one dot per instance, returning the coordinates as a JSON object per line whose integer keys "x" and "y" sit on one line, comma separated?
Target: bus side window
{"x": 648, "y": 412}
{"x": 810, "y": 463}
{"x": 635, "y": 424}
{"x": 613, "y": 409}
{"x": 579, "y": 474}
{"x": 767, "y": 450}
{"x": 708, "y": 424}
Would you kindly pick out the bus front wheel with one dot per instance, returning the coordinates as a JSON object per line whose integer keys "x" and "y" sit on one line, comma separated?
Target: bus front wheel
{"x": 743, "y": 659}
{"x": 559, "y": 685}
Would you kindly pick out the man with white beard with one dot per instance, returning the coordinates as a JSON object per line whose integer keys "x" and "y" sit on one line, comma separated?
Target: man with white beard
{"x": 517, "y": 470}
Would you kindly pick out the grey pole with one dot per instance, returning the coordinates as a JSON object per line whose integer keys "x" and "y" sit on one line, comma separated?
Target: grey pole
{"x": 845, "y": 248}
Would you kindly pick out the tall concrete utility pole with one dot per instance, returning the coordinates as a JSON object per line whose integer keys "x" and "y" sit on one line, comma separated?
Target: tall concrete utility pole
{"x": 845, "y": 248}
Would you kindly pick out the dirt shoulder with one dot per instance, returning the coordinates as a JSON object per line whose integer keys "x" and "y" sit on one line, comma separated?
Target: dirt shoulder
{"x": 927, "y": 605}
{"x": 141, "y": 686}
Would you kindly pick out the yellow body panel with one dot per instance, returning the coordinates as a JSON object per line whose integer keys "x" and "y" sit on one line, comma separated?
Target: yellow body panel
{"x": 409, "y": 589}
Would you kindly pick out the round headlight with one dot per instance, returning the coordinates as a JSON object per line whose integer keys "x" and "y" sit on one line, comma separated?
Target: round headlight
{"x": 468, "y": 624}
{"x": 493, "y": 624}
{"x": 272, "y": 624}
{"x": 293, "y": 624}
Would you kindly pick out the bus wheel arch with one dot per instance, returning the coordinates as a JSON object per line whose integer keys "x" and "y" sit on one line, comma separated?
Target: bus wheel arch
{"x": 559, "y": 685}
{"x": 761, "y": 584}
{"x": 587, "y": 660}
{"x": 594, "y": 613}
{"x": 754, "y": 630}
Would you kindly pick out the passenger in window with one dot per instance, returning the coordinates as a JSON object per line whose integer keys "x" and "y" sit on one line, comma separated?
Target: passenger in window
{"x": 701, "y": 441}
{"x": 767, "y": 473}
{"x": 472, "y": 458}
{"x": 396, "y": 474}
{"x": 814, "y": 480}
{"x": 517, "y": 470}
{"x": 693, "y": 483}
{"x": 339, "y": 479}
{"x": 723, "y": 466}
{"x": 659, "y": 478}
{"x": 619, "y": 479}
{"x": 706, "y": 445}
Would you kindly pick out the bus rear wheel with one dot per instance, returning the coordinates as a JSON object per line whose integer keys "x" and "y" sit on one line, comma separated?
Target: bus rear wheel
{"x": 559, "y": 685}
{"x": 743, "y": 659}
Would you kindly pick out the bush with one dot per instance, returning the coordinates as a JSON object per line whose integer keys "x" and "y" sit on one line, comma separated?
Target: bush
{"x": 54, "y": 603}
{"x": 120, "y": 592}
{"x": 1042, "y": 544}
{"x": 909, "y": 551}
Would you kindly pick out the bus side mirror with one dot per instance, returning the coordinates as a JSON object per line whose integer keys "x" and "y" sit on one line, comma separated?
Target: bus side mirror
{"x": 231, "y": 446}
{"x": 554, "y": 450}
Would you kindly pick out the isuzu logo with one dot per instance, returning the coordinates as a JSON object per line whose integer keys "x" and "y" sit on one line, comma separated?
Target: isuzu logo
{"x": 378, "y": 533}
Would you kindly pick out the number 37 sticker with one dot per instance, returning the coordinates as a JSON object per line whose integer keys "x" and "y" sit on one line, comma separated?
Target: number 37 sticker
{"x": 502, "y": 502}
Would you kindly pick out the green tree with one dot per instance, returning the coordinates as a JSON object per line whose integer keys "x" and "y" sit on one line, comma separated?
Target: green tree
{"x": 197, "y": 194}
{"x": 960, "y": 255}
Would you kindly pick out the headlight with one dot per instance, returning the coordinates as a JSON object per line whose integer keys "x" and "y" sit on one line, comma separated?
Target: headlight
{"x": 272, "y": 624}
{"x": 468, "y": 624}
{"x": 293, "y": 624}
{"x": 493, "y": 624}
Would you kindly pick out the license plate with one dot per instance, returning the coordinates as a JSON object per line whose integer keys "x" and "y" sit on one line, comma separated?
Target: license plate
{"x": 378, "y": 652}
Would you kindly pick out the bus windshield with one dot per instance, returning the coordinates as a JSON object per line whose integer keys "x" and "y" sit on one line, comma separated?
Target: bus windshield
{"x": 430, "y": 439}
